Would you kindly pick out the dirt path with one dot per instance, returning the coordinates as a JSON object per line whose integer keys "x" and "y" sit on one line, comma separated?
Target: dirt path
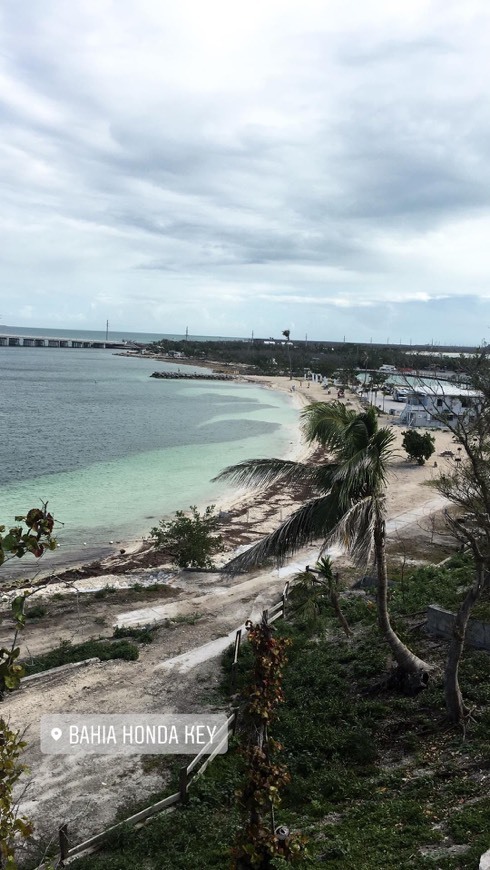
{"x": 90, "y": 790}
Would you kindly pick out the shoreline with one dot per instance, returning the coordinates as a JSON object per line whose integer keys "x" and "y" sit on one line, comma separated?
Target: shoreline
{"x": 252, "y": 512}
{"x": 107, "y": 556}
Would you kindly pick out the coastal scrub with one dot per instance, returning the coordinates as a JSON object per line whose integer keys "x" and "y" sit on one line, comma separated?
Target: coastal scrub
{"x": 189, "y": 540}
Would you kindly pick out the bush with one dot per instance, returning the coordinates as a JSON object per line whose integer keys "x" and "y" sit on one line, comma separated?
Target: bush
{"x": 189, "y": 540}
{"x": 67, "y": 653}
{"x": 104, "y": 592}
{"x": 143, "y": 635}
{"x": 37, "y": 611}
{"x": 419, "y": 447}
{"x": 431, "y": 584}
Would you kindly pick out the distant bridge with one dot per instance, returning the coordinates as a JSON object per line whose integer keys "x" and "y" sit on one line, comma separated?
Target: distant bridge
{"x": 7, "y": 340}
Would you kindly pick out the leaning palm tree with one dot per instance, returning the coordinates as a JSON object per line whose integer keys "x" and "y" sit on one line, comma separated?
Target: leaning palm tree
{"x": 348, "y": 503}
{"x": 315, "y": 585}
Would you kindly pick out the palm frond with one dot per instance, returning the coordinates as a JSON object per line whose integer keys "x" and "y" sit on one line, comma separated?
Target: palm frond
{"x": 356, "y": 436}
{"x": 383, "y": 440}
{"x": 364, "y": 471}
{"x": 354, "y": 531}
{"x": 326, "y": 423}
{"x": 324, "y": 567}
{"x": 264, "y": 472}
{"x": 312, "y": 521}
{"x": 354, "y": 477}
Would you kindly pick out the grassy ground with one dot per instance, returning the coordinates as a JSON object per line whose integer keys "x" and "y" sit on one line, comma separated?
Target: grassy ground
{"x": 378, "y": 780}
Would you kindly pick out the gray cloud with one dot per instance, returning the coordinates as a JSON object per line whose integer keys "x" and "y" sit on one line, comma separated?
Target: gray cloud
{"x": 150, "y": 160}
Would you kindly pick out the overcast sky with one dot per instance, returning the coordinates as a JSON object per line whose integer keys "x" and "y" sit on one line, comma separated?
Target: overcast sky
{"x": 234, "y": 166}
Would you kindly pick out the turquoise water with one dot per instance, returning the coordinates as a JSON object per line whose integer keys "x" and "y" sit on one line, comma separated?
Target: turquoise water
{"x": 113, "y": 450}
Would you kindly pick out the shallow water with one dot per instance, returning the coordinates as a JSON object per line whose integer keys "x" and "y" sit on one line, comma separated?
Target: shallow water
{"x": 112, "y": 450}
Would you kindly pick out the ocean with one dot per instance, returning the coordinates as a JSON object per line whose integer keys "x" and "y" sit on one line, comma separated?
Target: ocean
{"x": 113, "y": 450}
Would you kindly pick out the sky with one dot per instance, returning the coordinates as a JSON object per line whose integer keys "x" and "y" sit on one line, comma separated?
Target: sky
{"x": 230, "y": 167}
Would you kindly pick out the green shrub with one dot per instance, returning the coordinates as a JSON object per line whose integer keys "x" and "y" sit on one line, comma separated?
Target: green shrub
{"x": 189, "y": 540}
{"x": 67, "y": 653}
{"x": 36, "y": 611}
{"x": 103, "y": 593}
{"x": 419, "y": 447}
{"x": 432, "y": 584}
{"x": 143, "y": 635}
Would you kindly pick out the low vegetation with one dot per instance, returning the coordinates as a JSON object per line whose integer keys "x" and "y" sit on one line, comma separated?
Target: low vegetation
{"x": 144, "y": 635}
{"x": 67, "y": 653}
{"x": 190, "y": 541}
{"x": 377, "y": 780}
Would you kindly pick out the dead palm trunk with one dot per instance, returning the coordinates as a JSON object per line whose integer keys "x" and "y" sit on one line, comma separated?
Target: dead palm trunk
{"x": 455, "y": 706}
{"x": 414, "y": 672}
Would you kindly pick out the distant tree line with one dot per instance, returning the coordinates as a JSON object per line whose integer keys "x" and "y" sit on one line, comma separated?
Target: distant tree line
{"x": 319, "y": 356}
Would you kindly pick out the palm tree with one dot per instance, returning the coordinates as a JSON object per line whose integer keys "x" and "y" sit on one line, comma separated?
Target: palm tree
{"x": 287, "y": 333}
{"x": 315, "y": 585}
{"x": 348, "y": 504}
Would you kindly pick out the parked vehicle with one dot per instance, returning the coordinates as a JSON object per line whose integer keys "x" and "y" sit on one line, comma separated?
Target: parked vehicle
{"x": 400, "y": 394}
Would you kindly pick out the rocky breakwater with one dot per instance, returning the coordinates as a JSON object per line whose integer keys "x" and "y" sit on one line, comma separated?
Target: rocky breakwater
{"x": 189, "y": 376}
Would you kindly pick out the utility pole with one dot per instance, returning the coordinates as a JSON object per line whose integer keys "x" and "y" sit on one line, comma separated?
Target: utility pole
{"x": 106, "y": 330}
{"x": 187, "y": 333}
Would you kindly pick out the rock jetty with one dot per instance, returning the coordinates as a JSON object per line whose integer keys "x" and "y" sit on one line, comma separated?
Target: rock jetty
{"x": 184, "y": 376}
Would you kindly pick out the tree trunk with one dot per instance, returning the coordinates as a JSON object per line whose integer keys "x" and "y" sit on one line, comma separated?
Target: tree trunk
{"x": 334, "y": 600}
{"x": 452, "y": 692}
{"x": 414, "y": 672}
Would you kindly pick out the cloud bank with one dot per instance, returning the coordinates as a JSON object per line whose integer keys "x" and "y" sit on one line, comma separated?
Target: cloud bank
{"x": 247, "y": 166}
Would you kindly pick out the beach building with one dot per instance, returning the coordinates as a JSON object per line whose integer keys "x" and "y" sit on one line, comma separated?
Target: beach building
{"x": 431, "y": 405}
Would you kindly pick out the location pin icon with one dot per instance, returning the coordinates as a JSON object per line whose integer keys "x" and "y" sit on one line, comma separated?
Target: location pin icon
{"x": 56, "y": 733}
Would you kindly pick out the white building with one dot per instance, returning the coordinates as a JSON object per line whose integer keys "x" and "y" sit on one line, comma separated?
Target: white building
{"x": 432, "y": 405}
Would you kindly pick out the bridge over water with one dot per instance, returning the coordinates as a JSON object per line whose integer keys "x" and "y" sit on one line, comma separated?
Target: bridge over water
{"x": 7, "y": 340}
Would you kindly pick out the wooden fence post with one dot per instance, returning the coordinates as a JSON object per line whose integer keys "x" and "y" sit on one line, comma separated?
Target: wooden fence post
{"x": 285, "y": 593}
{"x": 183, "y": 785}
{"x": 63, "y": 838}
{"x": 238, "y": 638}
